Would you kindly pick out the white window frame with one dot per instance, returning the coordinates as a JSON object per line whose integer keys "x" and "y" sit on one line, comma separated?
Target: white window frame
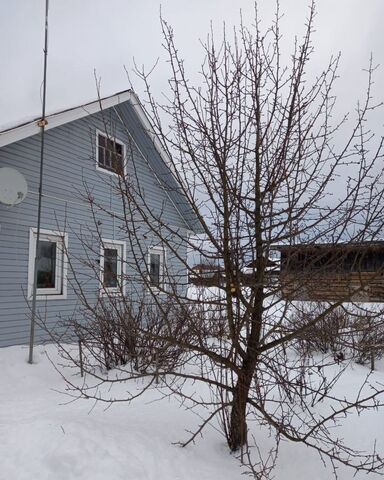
{"x": 61, "y": 239}
{"x": 163, "y": 263}
{"x": 118, "y": 245}
{"x": 115, "y": 139}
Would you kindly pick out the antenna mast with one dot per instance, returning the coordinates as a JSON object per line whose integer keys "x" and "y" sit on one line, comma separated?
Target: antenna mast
{"x": 41, "y": 123}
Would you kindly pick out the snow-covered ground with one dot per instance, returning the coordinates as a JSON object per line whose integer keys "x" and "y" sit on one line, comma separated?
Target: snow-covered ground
{"x": 44, "y": 435}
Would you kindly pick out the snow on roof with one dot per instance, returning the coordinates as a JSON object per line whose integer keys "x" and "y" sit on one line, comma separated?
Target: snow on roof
{"x": 29, "y": 127}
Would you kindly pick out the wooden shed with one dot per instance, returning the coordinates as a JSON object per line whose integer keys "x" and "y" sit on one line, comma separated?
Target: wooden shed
{"x": 333, "y": 272}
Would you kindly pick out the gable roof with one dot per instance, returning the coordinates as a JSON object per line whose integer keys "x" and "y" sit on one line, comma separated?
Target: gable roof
{"x": 27, "y": 129}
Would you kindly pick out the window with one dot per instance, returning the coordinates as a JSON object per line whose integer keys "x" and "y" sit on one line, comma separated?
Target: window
{"x": 156, "y": 267}
{"x": 112, "y": 267}
{"x": 110, "y": 154}
{"x": 50, "y": 264}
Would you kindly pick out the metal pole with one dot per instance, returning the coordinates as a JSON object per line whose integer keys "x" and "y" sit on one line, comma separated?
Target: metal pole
{"x": 42, "y": 123}
{"x": 81, "y": 358}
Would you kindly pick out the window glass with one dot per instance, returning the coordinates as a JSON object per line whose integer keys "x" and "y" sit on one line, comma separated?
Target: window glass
{"x": 49, "y": 258}
{"x": 110, "y": 268}
{"x": 154, "y": 269}
{"x": 46, "y": 264}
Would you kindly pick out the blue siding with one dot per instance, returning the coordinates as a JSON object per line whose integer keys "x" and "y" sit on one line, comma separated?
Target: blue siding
{"x": 163, "y": 173}
{"x": 69, "y": 167}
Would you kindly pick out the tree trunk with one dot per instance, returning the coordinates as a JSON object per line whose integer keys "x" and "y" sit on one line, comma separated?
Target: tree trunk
{"x": 238, "y": 425}
{"x": 237, "y": 435}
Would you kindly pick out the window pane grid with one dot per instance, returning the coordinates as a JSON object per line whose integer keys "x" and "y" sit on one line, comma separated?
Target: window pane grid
{"x": 110, "y": 155}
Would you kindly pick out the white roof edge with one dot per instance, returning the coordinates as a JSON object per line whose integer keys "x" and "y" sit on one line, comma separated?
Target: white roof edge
{"x": 141, "y": 113}
{"x": 56, "y": 119}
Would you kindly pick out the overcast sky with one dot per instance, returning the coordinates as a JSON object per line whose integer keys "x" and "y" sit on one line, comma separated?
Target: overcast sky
{"x": 105, "y": 35}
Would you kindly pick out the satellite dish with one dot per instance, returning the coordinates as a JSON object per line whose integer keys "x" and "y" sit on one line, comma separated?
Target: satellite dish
{"x": 13, "y": 186}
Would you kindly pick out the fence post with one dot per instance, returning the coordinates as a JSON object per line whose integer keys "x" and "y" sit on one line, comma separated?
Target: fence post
{"x": 81, "y": 358}
{"x": 372, "y": 359}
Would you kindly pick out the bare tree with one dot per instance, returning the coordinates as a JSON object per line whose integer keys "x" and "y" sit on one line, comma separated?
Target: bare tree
{"x": 256, "y": 150}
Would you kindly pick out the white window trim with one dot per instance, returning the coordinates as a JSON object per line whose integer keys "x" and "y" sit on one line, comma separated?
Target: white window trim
{"x": 163, "y": 263}
{"x": 44, "y": 293}
{"x": 114, "y": 291}
{"x": 115, "y": 139}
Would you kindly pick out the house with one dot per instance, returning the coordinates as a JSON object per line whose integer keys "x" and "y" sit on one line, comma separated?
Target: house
{"x": 211, "y": 275}
{"x": 87, "y": 150}
{"x": 204, "y": 269}
{"x": 206, "y": 275}
{"x": 333, "y": 272}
